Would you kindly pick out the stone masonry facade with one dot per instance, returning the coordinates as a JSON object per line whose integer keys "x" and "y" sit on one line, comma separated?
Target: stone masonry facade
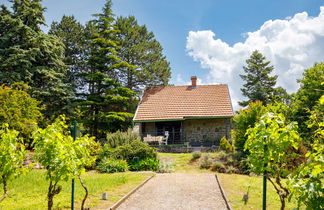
{"x": 203, "y": 129}
{"x": 197, "y": 129}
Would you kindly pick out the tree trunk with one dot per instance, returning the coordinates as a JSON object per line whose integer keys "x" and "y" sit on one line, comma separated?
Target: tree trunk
{"x": 283, "y": 203}
{"x": 86, "y": 193}
{"x": 52, "y": 191}
{"x": 4, "y": 190}
{"x": 50, "y": 196}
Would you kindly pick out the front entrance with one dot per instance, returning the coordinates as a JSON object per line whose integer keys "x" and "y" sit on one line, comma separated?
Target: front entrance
{"x": 174, "y": 129}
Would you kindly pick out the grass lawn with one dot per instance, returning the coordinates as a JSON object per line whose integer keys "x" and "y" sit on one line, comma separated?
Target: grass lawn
{"x": 182, "y": 162}
{"x": 235, "y": 185}
{"x": 30, "y": 191}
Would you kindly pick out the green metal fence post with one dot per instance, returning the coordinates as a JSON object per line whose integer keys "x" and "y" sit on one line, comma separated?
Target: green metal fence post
{"x": 264, "y": 198}
{"x": 72, "y": 193}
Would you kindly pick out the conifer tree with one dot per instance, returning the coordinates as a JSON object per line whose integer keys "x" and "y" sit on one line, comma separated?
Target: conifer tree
{"x": 259, "y": 85}
{"x": 140, "y": 49}
{"x": 73, "y": 35}
{"x": 28, "y": 55}
{"x": 106, "y": 102}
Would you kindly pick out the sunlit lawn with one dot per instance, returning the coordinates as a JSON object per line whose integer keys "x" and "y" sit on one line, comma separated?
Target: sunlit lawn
{"x": 30, "y": 191}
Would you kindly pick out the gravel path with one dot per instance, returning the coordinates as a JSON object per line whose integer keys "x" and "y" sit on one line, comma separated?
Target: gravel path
{"x": 177, "y": 191}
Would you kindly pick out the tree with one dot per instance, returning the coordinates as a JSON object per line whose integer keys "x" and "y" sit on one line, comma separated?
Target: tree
{"x": 259, "y": 85}
{"x": 106, "y": 102}
{"x": 140, "y": 49}
{"x": 272, "y": 144}
{"x": 12, "y": 155}
{"x": 245, "y": 119}
{"x": 73, "y": 36}
{"x": 19, "y": 110}
{"x": 61, "y": 156}
{"x": 307, "y": 96}
{"x": 306, "y": 183}
{"x": 29, "y": 56}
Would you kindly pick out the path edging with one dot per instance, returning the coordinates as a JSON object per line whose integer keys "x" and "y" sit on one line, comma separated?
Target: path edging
{"x": 223, "y": 193}
{"x": 120, "y": 201}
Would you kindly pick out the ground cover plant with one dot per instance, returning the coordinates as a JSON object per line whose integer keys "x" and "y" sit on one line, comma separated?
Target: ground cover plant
{"x": 29, "y": 191}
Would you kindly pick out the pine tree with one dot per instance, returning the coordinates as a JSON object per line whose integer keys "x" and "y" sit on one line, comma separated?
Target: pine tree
{"x": 259, "y": 85}
{"x": 28, "y": 55}
{"x": 140, "y": 49}
{"x": 73, "y": 35}
{"x": 106, "y": 102}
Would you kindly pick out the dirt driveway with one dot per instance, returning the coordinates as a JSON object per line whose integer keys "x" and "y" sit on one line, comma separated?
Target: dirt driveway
{"x": 177, "y": 191}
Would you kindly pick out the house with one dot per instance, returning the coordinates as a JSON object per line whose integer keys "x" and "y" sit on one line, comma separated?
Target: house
{"x": 179, "y": 114}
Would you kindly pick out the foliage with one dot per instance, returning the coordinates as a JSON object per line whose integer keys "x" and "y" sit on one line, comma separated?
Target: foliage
{"x": 19, "y": 110}
{"x": 225, "y": 145}
{"x": 108, "y": 165}
{"x": 259, "y": 85}
{"x": 245, "y": 119}
{"x": 146, "y": 164}
{"x": 139, "y": 155}
{"x": 306, "y": 98}
{"x": 165, "y": 166}
{"x": 196, "y": 155}
{"x": 105, "y": 104}
{"x": 139, "y": 48}
{"x": 218, "y": 166}
{"x": 62, "y": 157}
{"x": 120, "y": 138}
{"x": 306, "y": 184}
{"x": 206, "y": 162}
{"x": 12, "y": 154}
{"x": 74, "y": 37}
{"x": 29, "y": 56}
{"x": 268, "y": 143}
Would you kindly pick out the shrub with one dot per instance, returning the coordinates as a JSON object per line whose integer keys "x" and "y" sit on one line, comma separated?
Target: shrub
{"x": 231, "y": 169}
{"x": 138, "y": 155}
{"x": 135, "y": 150}
{"x": 218, "y": 166}
{"x": 108, "y": 165}
{"x": 205, "y": 163}
{"x": 196, "y": 155}
{"x": 165, "y": 167}
{"x": 225, "y": 145}
{"x": 147, "y": 164}
{"x": 221, "y": 155}
{"x": 119, "y": 138}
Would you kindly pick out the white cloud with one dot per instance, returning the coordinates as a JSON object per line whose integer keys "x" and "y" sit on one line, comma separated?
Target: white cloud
{"x": 292, "y": 45}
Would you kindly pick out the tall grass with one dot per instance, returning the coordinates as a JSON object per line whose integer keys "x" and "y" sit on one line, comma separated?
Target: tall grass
{"x": 121, "y": 138}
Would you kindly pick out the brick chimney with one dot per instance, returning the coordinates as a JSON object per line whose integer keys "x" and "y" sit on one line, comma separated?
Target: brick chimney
{"x": 193, "y": 81}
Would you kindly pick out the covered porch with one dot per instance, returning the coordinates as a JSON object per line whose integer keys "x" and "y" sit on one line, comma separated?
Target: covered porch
{"x": 190, "y": 131}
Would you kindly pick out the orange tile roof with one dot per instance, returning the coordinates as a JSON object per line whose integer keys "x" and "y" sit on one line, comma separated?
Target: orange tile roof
{"x": 179, "y": 102}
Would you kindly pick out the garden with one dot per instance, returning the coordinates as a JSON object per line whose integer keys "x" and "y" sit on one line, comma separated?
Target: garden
{"x": 68, "y": 97}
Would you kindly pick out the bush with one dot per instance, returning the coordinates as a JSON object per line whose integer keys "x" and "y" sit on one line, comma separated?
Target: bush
{"x": 205, "y": 163}
{"x": 108, "y": 165}
{"x": 218, "y": 166}
{"x": 225, "y": 145}
{"x": 196, "y": 155}
{"x": 147, "y": 164}
{"x": 231, "y": 169}
{"x": 221, "y": 155}
{"x": 138, "y": 155}
{"x": 165, "y": 167}
{"x": 121, "y": 138}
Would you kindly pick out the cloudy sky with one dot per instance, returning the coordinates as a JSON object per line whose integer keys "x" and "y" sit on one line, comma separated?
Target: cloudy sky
{"x": 212, "y": 38}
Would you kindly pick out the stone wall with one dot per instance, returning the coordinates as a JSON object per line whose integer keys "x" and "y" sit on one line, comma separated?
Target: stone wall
{"x": 202, "y": 129}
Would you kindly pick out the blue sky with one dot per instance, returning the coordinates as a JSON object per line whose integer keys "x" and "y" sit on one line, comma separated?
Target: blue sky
{"x": 222, "y": 24}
